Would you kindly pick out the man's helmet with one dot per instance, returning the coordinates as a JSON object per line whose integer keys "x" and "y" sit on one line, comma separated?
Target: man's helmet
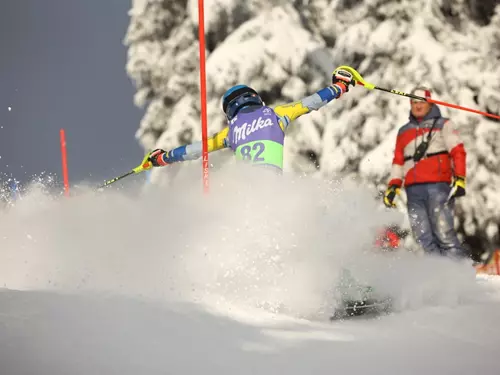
{"x": 238, "y": 97}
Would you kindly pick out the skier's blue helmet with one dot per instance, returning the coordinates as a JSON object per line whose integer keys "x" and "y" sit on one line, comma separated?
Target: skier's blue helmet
{"x": 238, "y": 97}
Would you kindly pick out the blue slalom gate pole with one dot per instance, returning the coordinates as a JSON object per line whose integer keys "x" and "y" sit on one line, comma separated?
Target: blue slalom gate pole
{"x": 14, "y": 190}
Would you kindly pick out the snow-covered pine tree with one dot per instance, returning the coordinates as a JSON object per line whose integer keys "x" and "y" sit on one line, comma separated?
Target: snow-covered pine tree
{"x": 287, "y": 49}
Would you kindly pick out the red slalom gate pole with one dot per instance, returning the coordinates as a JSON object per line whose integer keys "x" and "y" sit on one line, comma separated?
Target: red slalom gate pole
{"x": 64, "y": 162}
{"x": 497, "y": 261}
{"x": 203, "y": 94}
{"x": 438, "y": 102}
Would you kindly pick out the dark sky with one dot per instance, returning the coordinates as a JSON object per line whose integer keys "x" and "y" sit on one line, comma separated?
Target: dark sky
{"x": 62, "y": 65}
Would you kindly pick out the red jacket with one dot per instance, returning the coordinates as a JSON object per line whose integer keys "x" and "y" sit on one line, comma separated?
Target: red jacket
{"x": 445, "y": 156}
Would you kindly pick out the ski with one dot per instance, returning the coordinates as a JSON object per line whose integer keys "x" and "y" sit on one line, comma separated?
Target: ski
{"x": 365, "y": 308}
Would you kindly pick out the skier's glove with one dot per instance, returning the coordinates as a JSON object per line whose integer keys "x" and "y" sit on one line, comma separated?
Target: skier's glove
{"x": 156, "y": 158}
{"x": 457, "y": 187}
{"x": 390, "y": 194}
{"x": 341, "y": 77}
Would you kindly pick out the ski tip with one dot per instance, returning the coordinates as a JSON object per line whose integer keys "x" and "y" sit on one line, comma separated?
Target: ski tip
{"x": 362, "y": 309}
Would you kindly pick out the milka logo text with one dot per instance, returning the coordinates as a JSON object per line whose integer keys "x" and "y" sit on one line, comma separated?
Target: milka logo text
{"x": 243, "y": 131}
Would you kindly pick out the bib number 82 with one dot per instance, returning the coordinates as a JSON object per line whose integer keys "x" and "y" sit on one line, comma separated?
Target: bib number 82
{"x": 257, "y": 148}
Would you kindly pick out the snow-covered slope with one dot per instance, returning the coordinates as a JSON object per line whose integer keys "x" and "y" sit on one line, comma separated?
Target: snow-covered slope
{"x": 287, "y": 49}
{"x": 93, "y": 287}
{"x": 45, "y": 333}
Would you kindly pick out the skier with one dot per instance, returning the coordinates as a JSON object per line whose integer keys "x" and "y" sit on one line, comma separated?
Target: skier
{"x": 256, "y": 132}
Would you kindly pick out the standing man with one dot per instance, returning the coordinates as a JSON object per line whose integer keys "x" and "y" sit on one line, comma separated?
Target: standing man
{"x": 430, "y": 158}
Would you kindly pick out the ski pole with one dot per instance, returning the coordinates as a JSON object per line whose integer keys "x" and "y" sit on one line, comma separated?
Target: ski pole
{"x": 359, "y": 79}
{"x": 144, "y": 166}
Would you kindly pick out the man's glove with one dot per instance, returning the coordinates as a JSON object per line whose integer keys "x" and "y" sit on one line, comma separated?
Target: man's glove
{"x": 457, "y": 187}
{"x": 341, "y": 76}
{"x": 156, "y": 157}
{"x": 390, "y": 194}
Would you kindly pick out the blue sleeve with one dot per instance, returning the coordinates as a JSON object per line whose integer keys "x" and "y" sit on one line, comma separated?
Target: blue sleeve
{"x": 322, "y": 97}
{"x": 329, "y": 93}
{"x": 174, "y": 156}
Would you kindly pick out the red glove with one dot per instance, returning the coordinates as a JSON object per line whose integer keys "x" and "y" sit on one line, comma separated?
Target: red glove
{"x": 343, "y": 79}
{"x": 156, "y": 158}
